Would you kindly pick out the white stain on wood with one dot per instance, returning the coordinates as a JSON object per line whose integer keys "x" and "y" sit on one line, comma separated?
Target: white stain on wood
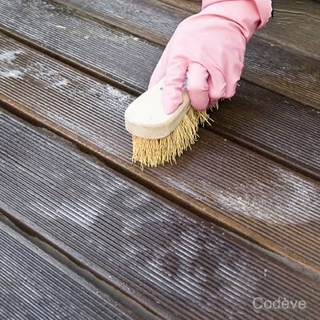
{"x": 9, "y": 56}
{"x": 12, "y": 74}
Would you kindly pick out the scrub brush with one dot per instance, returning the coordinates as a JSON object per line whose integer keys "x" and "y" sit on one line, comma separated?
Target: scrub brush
{"x": 158, "y": 138}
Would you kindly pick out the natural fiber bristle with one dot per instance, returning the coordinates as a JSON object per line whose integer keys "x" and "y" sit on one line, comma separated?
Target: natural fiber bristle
{"x": 154, "y": 152}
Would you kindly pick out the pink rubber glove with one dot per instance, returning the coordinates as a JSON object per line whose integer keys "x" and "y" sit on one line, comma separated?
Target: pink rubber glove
{"x": 209, "y": 48}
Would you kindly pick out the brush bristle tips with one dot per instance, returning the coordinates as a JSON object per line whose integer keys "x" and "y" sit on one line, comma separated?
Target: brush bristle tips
{"x": 155, "y": 152}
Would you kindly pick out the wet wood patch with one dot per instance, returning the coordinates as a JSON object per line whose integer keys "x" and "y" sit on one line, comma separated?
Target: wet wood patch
{"x": 250, "y": 194}
{"x": 164, "y": 257}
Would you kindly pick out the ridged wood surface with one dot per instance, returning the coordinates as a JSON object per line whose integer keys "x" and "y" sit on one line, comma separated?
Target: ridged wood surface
{"x": 170, "y": 261}
{"x": 219, "y": 178}
{"x": 33, "y": 285}
{"x": 72, "y": 67}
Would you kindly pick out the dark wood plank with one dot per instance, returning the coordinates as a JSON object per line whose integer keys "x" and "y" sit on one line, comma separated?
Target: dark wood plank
{"x": 187, "y": 5}
{"x": 240, "y": 189}
{"x": 33, "y": 285}
{"x": 299, "y": 7}
{"x": 249, "y": 104}
{"x": 283, "y": 71}
{"x": 176, "y": 264}
{"x": 111, "y": 63}
{"x": 272, "y": 125}
{"x": 132, "y": 16}
{"x": 295, "y": 31}
{"x": 116, "y": 55}
{"x": 295, "y": 24}
{"x": 272, "y": 66}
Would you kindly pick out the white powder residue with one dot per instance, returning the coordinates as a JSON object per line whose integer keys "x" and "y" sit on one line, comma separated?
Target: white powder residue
{"x": 43, "y": 4}
{"x": 105, "y": 93}
{"x": 83, "y": 214}
{"x": 184, "y": 187}
{"x": 304, "y": 195}
{"x": 259, "y": 201}
{"x": 9, "y": 56}
{"x": 45, "y": 74}
{"x": 245, "y": 204}
{"x": 99, "y": 93}
{"x": 61, "y": 83}
{"x": 67, "y": 83}
{"x": 41, "y": 72}
{"x": 12, "y": 74}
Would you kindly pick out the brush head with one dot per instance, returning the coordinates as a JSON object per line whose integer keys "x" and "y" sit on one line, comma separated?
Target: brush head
{"x": 158, "y": 138}
{"x": 145, "y": 118}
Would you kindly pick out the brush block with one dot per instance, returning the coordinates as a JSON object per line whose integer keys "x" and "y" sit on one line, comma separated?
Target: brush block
{"x": 146, "y": 119}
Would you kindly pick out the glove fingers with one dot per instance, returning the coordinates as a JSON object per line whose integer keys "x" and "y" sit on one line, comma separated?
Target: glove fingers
{"x": 217, "y": 85}
{"x": 173, "y": 83}
{"x": 198, "y": 87}
{"x": 233, "y": 76}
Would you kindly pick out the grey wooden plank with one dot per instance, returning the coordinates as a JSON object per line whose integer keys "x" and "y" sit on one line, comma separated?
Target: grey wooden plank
{"x": 110, "y": 53}
{"x": 269, "y": 62}
{"x": 187, "y": 5}
{"x": 256, "y": 118}
{"x": 135, "y": 74}
{"x": 134, "y": 15}
{"x": 33, "y": 285}
{"x": 295, "y": 23}
{"x": 250, "y": 194}
{"x": 295, "y": 31}
{"x": 299, "y": 7}
{"x": 171, "y": 261}
{"x": 272, "y": 125}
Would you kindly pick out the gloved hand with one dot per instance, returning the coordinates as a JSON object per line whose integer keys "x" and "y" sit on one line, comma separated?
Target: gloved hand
{"x": 209, "y": 48}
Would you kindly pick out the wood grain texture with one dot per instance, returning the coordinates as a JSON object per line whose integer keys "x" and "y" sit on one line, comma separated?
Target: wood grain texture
{"x": 295, "y": 31}
{"x": 36, "y": 286}
{"x": 112, "y": 62}
{"x": 298, "y": 7}
{"x": 187, "y": 5}
{"x": 267, "y": 64}
{"x": 295, "y": 24}
{"x": 170, "y": 261}
{"x": 132, "y": 16}
{"x": 257, "y": 198}
{"x": 273, "y": 126}
{"x": 174, "y": 263}
{"x": 294, "y": 76}
{"x": 307, "y": 8}
{"x": 120, "y": 57}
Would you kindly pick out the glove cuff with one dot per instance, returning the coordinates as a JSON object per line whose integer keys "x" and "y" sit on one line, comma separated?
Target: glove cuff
{"x": 265, "y": 11}
{"x": 264, "y": 8}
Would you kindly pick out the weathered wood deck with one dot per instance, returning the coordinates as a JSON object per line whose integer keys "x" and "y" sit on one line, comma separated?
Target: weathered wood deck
{"x": 86, "y": 235}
